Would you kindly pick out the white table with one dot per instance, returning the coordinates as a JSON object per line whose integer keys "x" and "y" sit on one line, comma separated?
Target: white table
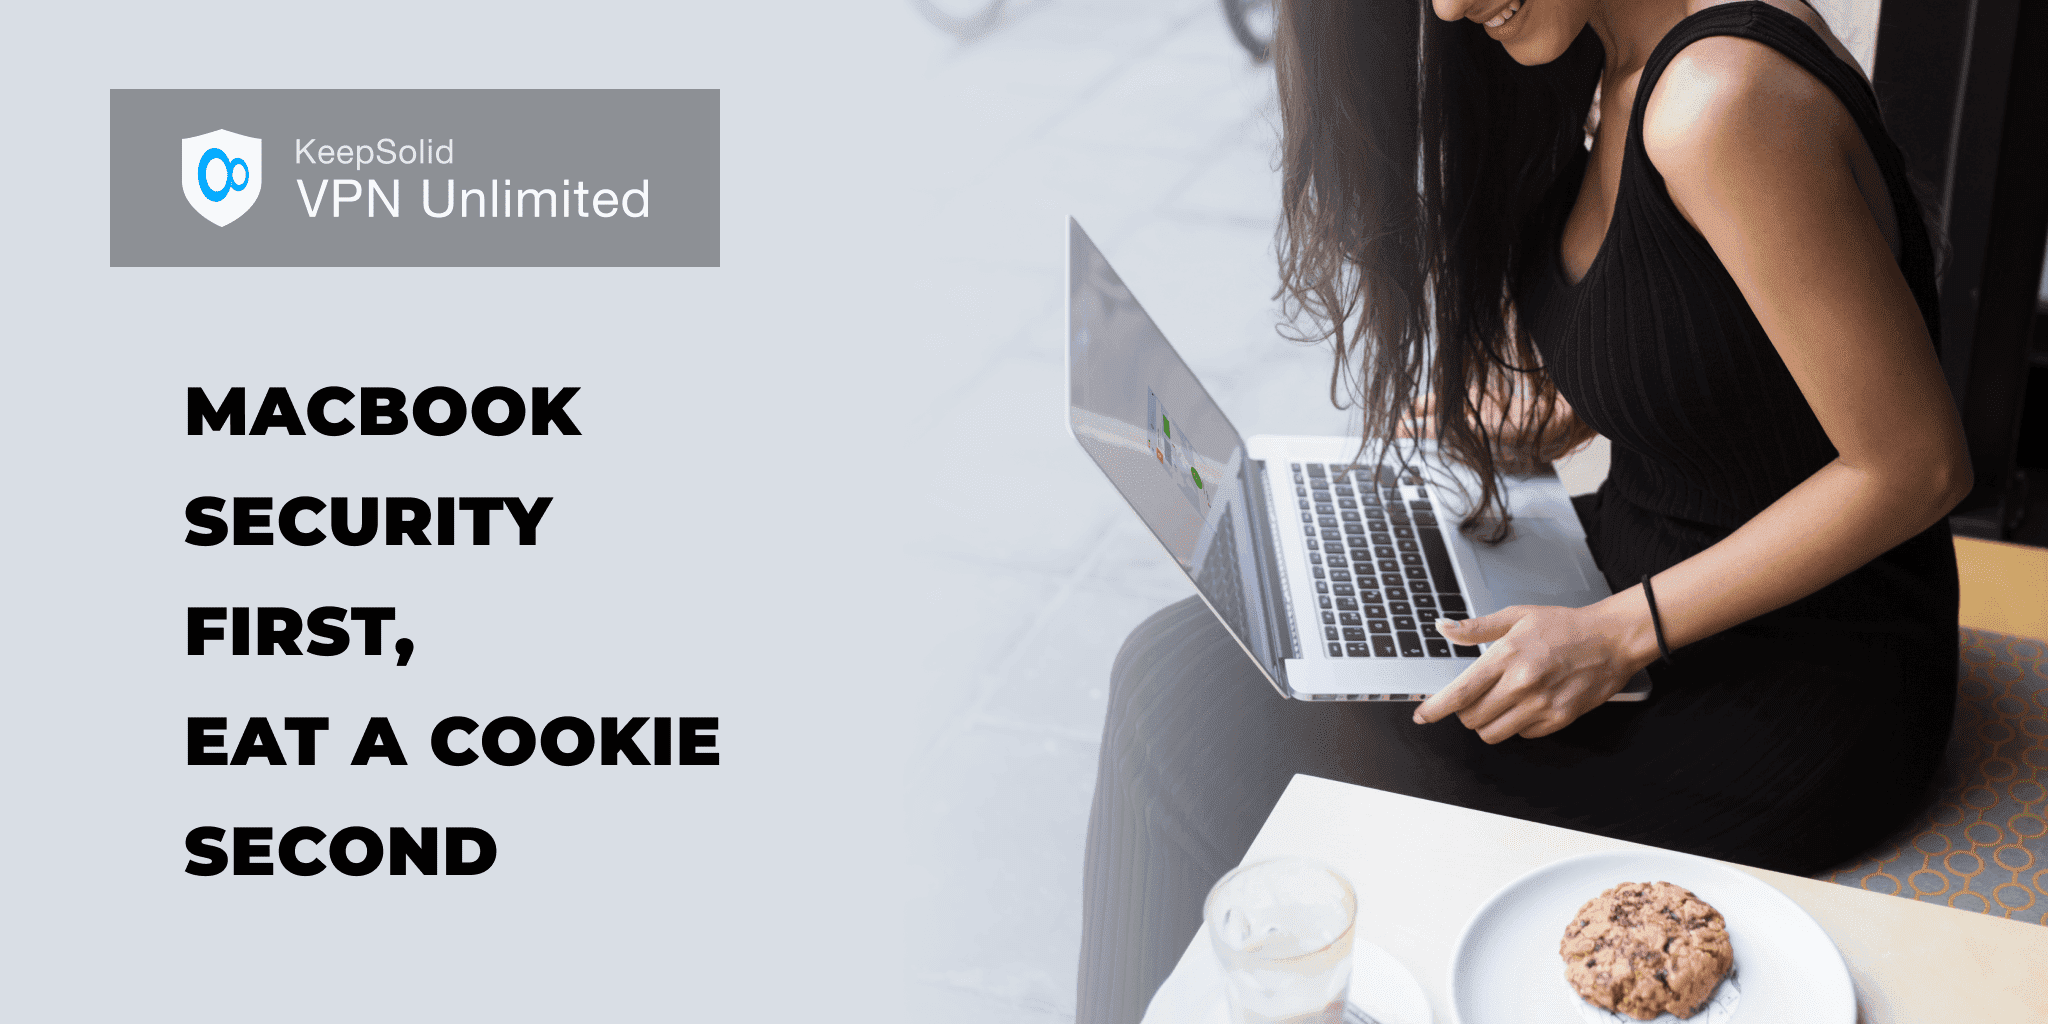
{"x": 1421, "y": 869}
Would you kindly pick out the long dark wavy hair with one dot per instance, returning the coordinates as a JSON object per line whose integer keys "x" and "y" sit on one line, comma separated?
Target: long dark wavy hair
{"x": 1414, "y": 151}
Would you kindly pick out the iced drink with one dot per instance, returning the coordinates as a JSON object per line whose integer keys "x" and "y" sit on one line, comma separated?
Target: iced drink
{"x": 1282, "y": 930}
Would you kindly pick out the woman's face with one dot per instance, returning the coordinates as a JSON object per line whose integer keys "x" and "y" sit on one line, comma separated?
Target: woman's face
{"x": 1534, "y": 31}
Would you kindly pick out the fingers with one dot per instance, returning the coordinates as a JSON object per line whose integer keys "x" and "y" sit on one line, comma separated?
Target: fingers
{"x": 1421, "y": 419}
{"x": 1516, "y": 687}
{"x": 1469, "y": 687}
{"x": 1519, "y": 720}
{"x": 1485, "y": 628}
{"x": 1476, "y": 680}
{"x": 1539, "y": 675}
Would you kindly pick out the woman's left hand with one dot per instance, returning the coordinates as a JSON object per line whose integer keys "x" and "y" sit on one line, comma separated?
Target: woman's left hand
{"x": 1547, "y": 666}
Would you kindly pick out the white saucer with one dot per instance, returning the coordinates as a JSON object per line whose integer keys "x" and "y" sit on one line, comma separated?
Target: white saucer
{"x": 1506, "y": 966}
{"x": 1382, "y": 991}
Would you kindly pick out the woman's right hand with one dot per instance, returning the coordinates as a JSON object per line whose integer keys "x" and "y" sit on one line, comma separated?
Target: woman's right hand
{"x": 1518, "y": 447}
{"x": 1421, "y": 421}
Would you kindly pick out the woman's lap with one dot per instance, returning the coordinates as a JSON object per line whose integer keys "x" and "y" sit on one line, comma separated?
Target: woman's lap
{"x": 1760, "y": 745}
{"x": 1197, "y": 748}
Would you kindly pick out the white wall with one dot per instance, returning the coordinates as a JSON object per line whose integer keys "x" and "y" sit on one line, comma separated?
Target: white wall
{"x": 1855, "y": 24}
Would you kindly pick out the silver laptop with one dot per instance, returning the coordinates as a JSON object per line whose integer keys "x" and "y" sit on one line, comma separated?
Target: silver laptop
{"x": 1326, "y": 571}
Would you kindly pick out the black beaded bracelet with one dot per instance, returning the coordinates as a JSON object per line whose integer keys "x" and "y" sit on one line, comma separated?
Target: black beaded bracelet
{"x": 1656, "y": 622}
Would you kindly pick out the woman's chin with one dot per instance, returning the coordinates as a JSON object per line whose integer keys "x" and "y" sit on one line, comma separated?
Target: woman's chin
{"x": 1535, "y": 48}
{"x": 1534, "y": 35}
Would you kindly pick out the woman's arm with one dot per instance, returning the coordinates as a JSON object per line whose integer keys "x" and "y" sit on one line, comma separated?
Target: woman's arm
{"x": 1756, "y": 154}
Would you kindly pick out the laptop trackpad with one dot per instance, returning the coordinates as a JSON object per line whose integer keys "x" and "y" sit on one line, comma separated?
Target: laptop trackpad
{"x": 1537, "y": 566}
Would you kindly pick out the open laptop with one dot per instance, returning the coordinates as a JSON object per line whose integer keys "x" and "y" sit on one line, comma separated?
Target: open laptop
{"x": 1326, "y": 572}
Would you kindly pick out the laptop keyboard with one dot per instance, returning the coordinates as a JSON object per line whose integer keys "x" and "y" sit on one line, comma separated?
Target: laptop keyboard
{"x": 1381, "y": 571}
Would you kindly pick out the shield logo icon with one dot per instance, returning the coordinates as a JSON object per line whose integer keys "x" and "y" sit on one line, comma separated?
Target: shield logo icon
{"x": 223, "y": 174}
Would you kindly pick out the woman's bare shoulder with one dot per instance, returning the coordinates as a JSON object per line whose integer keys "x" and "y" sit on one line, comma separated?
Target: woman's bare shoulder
{"x": 1722, "y": 84}
{"x": 1798, "y": 10}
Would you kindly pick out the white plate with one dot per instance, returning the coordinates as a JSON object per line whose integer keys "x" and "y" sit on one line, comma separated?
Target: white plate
{"x": 1506, "y": 967}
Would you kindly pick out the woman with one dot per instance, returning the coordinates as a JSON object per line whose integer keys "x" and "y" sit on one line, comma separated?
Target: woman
{"x": 1732, "y": 282}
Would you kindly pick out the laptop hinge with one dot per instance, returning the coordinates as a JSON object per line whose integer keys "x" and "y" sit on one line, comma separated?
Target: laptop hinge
{"x": 1281, "y": 630}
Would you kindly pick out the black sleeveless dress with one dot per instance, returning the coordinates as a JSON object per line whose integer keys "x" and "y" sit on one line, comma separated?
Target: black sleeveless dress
{"x": 1657, "y": 349}
{"x": 1793, "y": 741}
{"x": 1802, "y": 735}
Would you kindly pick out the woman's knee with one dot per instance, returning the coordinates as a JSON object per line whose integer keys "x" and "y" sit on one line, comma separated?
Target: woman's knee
{"x": 1163, "y": 630}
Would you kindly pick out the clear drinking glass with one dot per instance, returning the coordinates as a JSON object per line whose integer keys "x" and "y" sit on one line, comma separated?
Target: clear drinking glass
{"x": 1282, "y": 929}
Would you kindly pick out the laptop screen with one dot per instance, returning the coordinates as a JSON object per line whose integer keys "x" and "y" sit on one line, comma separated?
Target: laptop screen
{"x": 1148, "y": 423}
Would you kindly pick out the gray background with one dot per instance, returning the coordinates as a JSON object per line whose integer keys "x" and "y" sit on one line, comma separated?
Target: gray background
{"x": 667, "y": 581}
{"x": 606, "y": 138}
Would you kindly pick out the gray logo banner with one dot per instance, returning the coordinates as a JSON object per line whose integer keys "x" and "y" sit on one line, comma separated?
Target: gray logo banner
{"x": 414, "y": 178}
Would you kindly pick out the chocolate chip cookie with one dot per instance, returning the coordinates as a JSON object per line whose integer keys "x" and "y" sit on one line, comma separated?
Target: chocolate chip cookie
{"x": 1645, "y": 948}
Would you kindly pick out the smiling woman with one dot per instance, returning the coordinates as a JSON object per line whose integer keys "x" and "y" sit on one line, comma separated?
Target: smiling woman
{"x": 1735, "y": 286}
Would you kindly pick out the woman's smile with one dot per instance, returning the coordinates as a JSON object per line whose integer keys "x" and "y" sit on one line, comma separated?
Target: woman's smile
{"x": 1499, "y": 21}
